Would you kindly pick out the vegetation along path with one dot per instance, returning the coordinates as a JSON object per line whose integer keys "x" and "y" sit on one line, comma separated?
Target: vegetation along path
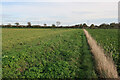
{"x": 104, "y": 65}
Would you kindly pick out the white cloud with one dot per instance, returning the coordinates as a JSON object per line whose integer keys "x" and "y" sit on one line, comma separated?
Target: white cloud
{"x": 67, "y": 13}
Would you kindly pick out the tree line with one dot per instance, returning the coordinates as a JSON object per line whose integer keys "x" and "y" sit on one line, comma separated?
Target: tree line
{"x": 92, "y": 26}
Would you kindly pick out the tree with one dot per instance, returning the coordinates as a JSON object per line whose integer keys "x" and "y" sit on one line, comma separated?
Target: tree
{"x": 104, "y": 26}
{"x": 58, "y": 23}
{"x": 119, "y": 26}
{"x": 76, "y": 26}
{"x": 53, "y": 25}
{"x": 9, "y": 25}
{"x": 112, "y": 25}
{"x": 81, "y": 26}
{"x": 29, "y": 24}
{"x": 36, "y": 26}
{"x": 92, "y": 26}
{"x": 45, "y": 25}
{"x": 2, "y": 25}
{"x": 96, "y": 26}
{"x": 85, "y": 25}
{"x": 17, "y": 24}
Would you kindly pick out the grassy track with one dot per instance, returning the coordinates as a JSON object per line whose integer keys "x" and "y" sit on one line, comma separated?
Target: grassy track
{"x": 105, "y": 65}
{"x": 108, "y": 39}
{"x": 46, "y": 53}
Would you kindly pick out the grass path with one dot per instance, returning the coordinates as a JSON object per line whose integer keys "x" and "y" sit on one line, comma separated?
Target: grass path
{"x": 104, "y": 64}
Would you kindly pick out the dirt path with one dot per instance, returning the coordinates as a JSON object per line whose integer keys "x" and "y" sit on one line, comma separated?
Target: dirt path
{"x": 104, "y": 65}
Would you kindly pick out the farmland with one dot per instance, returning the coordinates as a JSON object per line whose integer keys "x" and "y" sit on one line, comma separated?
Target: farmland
{"x": 46, "y": 53}
{"x": 108, "y": 40}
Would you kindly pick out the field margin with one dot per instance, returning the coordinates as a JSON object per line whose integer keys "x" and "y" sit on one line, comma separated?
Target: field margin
{"x": 104, "y": 64}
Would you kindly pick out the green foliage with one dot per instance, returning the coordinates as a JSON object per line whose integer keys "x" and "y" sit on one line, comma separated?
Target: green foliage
{"x": 108, "y": 39}
{"x": 46, "y": 53}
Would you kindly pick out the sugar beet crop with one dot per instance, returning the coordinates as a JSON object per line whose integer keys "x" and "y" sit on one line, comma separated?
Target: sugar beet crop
{"x": 46, "y": 53}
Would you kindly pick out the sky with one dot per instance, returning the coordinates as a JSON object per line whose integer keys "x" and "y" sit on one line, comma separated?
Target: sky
{"x": 68, "y": 13}
{"x": 59, "y": 0}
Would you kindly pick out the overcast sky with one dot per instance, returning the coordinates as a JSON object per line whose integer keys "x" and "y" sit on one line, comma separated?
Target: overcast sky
{"x": 68, "y": 13}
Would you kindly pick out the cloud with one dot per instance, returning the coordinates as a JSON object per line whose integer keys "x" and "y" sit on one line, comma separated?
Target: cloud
{"x": 66, "y": 12}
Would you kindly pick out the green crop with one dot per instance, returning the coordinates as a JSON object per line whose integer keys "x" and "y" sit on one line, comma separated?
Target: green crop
{"x": 108, "y": 40}
{"x": 46, "y": 53}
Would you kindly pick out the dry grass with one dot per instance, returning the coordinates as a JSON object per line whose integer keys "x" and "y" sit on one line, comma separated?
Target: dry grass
{"x": 104, "y": 65}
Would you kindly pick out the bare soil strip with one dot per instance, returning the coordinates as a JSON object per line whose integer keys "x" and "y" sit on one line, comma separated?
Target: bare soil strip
{"x": 104, "y": 64}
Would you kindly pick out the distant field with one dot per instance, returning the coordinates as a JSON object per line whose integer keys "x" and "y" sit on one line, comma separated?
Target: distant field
{"x": 108, "y": 39}
{"x": 46, "y": 53}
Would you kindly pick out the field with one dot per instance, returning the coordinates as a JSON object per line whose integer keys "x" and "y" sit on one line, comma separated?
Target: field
{"x": 108, "y": 40}
{"x": 46, "y": 53}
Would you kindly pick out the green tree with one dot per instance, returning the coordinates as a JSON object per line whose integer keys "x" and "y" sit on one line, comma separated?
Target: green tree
{"x": 53, "y": 25}
{"x": 104, "y": 26}
{"x": 81, "y": 26}
{"x": 29, "y": 24}
{"x": 45, "y": 25}
{"x": 17, "y": 24}
{"x": 92, "y": 26}
{"x": 85, "y": 25}
{"x": 112, "y": 25}
{"x": 9, "y": 25}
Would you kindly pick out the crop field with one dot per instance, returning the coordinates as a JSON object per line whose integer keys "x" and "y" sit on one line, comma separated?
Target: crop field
{"x": 108, "y": 40}
{"x": 46, "y": 53}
